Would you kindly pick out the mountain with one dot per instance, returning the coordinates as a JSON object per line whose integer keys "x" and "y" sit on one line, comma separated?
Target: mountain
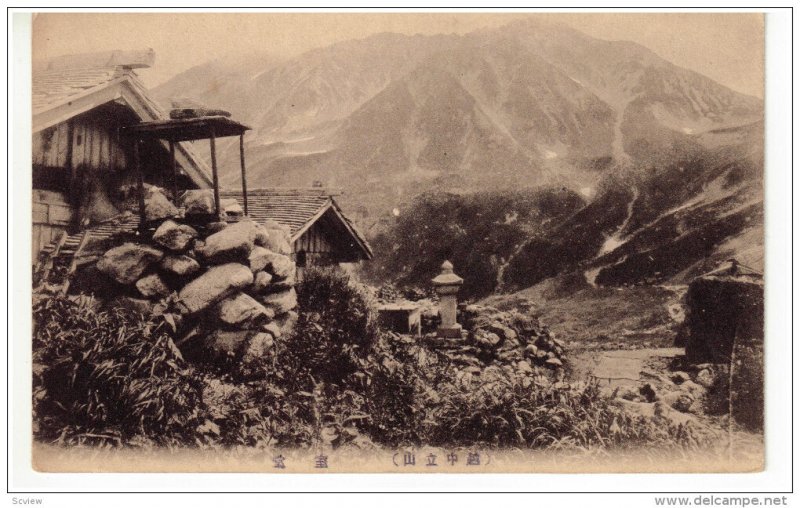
{"x": 669, "y": 162}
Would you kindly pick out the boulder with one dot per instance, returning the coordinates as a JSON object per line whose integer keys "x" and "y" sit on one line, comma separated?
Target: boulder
{"x": 151, "y": 286}
{"x": 261, "y": 282}
{"x": 287, "y": 322}
{"x": 679, "y": 400}
{"x": 262, "y": 236}
{"x": 279, "y": 265}
{"x": 705, "y": 377}
{"x": 649, "y": 392}
{"x": 215, "y": 227}
{"x": 505, "y": 332}
{"x": 627, "y": 393}
{"x": 243, "y": 311}
{"x": 273, "y": 329}
{"x": 157, "y": 206}
{"x": 695, "y": 390}
{"x": 226, "y": 342}
{"x": 174, "y": 236}
{"x": 231, "y": 207}
{"x": 180, "y": 265}
{"x": 233, "y": 243}
{"x": 281, "y": 284}
{"x": 280, "y": 303}
{"x": 487, "y": 339}
{"x": 258, "y": 346}
{"x": 258, "y": 258}
{"x": 198, "y": 202}
{"x": 214, "y": 285}
{"x": 553, "y": 362}
{"x": 524, "y": 367}
{"x": 679, "y": 377}
{"x": 126, "y": 263}
{"x": 277, "y": 240}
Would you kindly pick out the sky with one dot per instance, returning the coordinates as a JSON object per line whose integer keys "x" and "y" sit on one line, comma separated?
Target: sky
{"x": 727, "y": 47}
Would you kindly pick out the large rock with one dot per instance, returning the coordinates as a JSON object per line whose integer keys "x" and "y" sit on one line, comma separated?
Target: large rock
{"x": 234, "y": 243}
{"x": 151, "y": 286}
{"x": 280, "y": 303}
{"x": 280, "y": 266}
{"x": 126, "y": 263}
{"x": 257, "y": 347}
{"x": 231, "y": 207}
{"x": 258, "y": 258}
{"x": 198, "y": 202}
{"x": 180, "y": 265}
{"x": 261, "y": 282}
{"x": 277, "y": 238}
{"x": 243, "y": 311}
{"x": 157, "y": 206}
{"x": 225, "y": 342}
{"x": 174, "y": 236}
{"x": 214, "y": 285}
{"x": 287, "y": 322}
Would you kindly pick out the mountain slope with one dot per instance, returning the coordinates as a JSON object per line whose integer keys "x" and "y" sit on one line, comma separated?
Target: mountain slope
{"x": 670, "y": 162}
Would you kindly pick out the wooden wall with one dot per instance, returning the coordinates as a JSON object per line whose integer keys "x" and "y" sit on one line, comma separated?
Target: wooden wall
{"x": 51, "y": 215}
{"x": 94, "y": 145}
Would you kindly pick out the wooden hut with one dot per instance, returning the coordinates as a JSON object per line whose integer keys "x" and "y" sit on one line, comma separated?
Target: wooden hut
{"x": 80, "y": 159}
{"x": 321, "y": 234}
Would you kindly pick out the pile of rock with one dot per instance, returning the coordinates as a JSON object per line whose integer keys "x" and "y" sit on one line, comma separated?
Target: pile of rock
{"x": 227, "y": 288}
{"x": 685, "y": 391}
{"x": 503, "y": 338}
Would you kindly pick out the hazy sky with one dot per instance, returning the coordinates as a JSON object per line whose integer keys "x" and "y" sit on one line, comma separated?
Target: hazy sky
{"x": 727, "y": 47}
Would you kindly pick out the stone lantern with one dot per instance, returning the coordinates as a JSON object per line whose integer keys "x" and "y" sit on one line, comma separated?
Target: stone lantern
{"x": 446, "y": 285}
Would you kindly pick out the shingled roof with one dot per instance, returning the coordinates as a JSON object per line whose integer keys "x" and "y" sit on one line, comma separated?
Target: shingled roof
{"x": 52, "y": 88}
{"x": 60, "y": 92}
{"x": 296, "y": 208}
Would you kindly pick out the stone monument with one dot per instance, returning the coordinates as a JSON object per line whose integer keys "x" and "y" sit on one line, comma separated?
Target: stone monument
{"x": 446, "y": 285}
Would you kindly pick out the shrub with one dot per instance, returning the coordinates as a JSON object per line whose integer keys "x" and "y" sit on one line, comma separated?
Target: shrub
{"x": 110, "y": 377}
{"x": 336, "y": 329}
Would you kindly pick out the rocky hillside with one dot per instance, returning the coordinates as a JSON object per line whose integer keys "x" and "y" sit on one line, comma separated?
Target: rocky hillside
{"x": 668, "y": 162}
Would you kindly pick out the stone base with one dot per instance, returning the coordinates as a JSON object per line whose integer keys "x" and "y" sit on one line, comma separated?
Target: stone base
{"x": 450, "y": 332}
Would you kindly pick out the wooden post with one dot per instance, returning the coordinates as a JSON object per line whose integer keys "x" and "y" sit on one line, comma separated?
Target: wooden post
{"x": 214, "y": 170}
{"x": 244, "y": 172}
{"x": 139, "y": 182}
{"x": 174, "y": 171}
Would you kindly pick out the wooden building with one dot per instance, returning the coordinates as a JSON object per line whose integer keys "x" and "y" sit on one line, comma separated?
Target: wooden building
{"x": 80, "y": 160}
{"x": 82, "y": 165}
{"x": 321, "y": 233}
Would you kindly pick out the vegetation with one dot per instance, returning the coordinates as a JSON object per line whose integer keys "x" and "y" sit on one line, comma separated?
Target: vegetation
{"x": 109, "y": 377}
{"x": 477, "y": 232}
{"x": 116, "y": 378}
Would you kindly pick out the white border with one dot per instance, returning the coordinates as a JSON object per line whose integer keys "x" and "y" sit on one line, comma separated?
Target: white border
{"x": 779, "y": 401}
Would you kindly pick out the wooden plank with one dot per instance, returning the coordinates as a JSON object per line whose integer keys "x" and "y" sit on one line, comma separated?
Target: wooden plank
{"x": 75, "y": 259}
{"x": 214, "y": 170}
{"x": 47, "y": 264}
{"x": 63, "y": 145}
{"x": 40, "y": 213}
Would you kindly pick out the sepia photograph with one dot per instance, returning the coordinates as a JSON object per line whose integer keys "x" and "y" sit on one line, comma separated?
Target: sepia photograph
{"x": 397, "y": 242}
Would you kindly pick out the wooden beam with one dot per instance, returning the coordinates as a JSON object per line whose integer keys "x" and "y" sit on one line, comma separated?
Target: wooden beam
{"x": 139, "y": 182}
{"x": 244, "y": 172}
{"x": 213, "y": 140}
{"x": 174, "y": 171}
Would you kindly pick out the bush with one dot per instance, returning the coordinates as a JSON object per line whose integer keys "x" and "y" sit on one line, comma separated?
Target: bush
{"x": 336, "y": 329}
{"x": 109, "y": 377}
